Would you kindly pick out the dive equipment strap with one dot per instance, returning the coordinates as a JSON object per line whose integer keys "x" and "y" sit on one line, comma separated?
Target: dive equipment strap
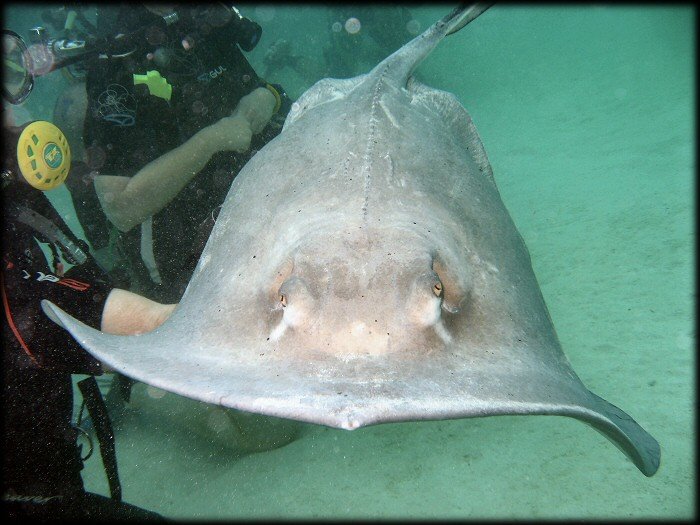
{"x": 103, "y": 429}
{"x": 123, "y": 386}
{"x": 13, "y": 326}
{"x": 70, "y": 250}
{"x": 147, "y": 255}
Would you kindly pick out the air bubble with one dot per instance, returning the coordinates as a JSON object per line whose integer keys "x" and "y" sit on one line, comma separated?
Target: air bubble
{"x": 96, "y": 157}
{"x": 352, "y": 25}
{"x": 155, "y": 393}
{"x": 41, "y": 59}
{"x": 187, "y": 43}
{"x": 413, "y": 27}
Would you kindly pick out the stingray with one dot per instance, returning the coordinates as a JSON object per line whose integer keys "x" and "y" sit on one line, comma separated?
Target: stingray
{"x": 364, "y": 270}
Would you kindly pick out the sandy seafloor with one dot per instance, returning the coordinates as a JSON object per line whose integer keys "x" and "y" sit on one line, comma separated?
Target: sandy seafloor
{"x": 587, "y": 115}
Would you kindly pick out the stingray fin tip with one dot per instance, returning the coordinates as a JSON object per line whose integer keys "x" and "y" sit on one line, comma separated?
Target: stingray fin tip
{"x": 52, "y": 312}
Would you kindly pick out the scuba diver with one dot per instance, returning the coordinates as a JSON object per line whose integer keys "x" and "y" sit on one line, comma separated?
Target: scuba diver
{"x": 41, "y": 459}
{"x": 174, "y": 110}
{"x": 172, "y": 116}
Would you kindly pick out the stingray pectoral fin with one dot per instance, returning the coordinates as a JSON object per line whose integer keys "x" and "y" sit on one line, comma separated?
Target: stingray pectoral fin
{"x": 107, "y": 348}
{"x": 624, "y": 432}
{"x": 79, "y": 330}
{"x": 50, "y": 311}
{"x": 85, "y": 335}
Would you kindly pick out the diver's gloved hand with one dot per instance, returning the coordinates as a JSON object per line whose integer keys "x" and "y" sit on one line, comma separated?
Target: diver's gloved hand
{"x": 257, "y": 107}
{"x": 251, "y": 115}
{"x": 227, "y": 134}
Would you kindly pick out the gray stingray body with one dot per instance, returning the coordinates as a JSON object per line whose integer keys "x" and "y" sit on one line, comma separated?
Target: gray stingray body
{"x": 364, "y": 269}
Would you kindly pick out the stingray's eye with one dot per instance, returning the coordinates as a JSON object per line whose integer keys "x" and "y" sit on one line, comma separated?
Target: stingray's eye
{"x": 437, "y": 289}
{"x": 283, "y": 300}
{"x": 456, "y": 285}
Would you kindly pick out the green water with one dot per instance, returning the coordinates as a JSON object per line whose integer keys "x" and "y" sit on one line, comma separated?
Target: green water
{"x": 587, "y": 115}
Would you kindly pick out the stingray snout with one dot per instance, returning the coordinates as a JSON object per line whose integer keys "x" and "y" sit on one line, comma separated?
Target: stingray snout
{"x": 354, "y": 304}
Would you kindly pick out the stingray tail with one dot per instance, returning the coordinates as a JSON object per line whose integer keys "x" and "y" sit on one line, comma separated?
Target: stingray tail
{"x": 461, "y": 16}
{"x": 400, "y": 65}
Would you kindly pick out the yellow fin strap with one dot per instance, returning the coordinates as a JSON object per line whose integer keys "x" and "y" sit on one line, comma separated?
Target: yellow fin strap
{"x": 157, "y": 85}
{"x": 278, "y": 99}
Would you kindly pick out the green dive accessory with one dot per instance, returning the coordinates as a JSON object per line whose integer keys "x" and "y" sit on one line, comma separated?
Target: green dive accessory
{"x": 157, "y": 85}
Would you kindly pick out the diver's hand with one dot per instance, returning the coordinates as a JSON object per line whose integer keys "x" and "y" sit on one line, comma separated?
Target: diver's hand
{"x": 228, "y": 134}
{"x": 257, "y": 108}
{"x": 234, "y": 133}
{"x": 127, "y": 313}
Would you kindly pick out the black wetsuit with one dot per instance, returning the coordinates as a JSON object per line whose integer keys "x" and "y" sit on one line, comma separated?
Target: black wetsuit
{"x": 126, "y": 128}
{"x": 41, "y": 461}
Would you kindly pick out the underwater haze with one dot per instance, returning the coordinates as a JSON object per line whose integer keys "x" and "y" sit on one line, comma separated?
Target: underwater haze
{"x": 587, "y": 114}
